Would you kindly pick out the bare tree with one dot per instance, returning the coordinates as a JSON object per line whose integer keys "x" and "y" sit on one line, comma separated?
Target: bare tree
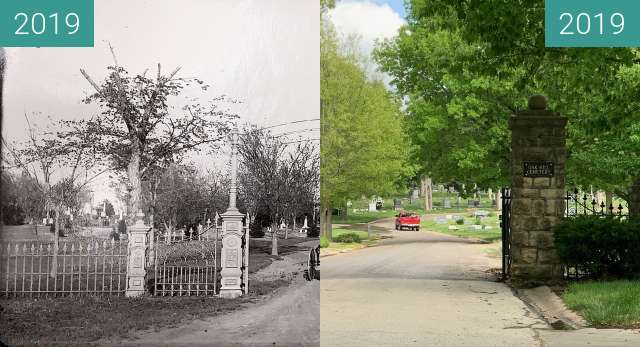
{"x": 60, "y": 166}
{"x": 277, "y": 177}
{"x": 137, "y": 130}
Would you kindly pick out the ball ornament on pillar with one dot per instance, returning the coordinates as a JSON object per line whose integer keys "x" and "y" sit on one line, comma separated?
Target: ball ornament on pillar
{"x": 537, "y": 102}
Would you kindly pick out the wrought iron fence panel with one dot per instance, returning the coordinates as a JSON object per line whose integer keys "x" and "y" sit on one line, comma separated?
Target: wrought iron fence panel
{"x": 506, "y": 232}
{"x": 89, "y": 267}
{"x": 185, "y": 266}
{"x": 580, "y": 203}
{"x": 583, "y": 204}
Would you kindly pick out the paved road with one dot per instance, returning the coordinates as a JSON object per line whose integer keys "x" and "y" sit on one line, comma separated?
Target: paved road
{"x": 428, "y": 289}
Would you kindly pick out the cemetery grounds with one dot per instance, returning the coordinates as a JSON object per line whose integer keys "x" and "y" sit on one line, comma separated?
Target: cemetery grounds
{"x": 85, "y": 319}
{"x": 361, "y": 221}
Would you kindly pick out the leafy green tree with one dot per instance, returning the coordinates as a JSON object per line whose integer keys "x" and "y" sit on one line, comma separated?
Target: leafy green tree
{"x": 465, "y": 66}
{"x": 363, "y": 144}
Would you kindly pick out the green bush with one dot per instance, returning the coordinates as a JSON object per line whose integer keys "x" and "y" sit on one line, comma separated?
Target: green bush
{"x": 460, "y": 221}
{"x": 324, "y": 243}
{"x": 602, "y": 246}
{"x": 347, "y": 238}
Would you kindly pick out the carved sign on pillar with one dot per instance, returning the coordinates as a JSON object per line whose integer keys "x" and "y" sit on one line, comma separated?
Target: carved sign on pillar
{"x": 538, "y": 144}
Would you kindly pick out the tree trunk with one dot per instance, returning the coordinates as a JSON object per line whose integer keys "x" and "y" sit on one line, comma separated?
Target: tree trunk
{"x": 325, "y": 221}
{"x": 274, "y": 239}
{"x": 294, "y": 224}
{"x": 133, "y": 173}
{"x": 634, "y": 199}
{"x": 427, "y": 193}
{"x": 56, "y": 246}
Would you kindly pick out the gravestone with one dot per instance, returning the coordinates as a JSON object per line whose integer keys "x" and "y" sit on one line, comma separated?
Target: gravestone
{"x": 538, "y": 156}
{"x": 372, "y": 206}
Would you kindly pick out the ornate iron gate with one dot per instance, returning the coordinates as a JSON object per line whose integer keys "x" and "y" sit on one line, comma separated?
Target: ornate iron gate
{"x": 506, "y": 232}
{"x": 185, "y": 265}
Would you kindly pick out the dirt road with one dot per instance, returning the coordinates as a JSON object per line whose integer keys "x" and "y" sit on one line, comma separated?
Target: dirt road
{"x": 429, "y": 289}
{"x": 290, "y": 318}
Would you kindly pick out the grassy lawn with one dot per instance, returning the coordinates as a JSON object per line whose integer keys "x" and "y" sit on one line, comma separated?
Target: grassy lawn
{"x": 336, "y": 232}
{"x": 81, "y": 319}
{"x": 358, "y": 212}
{"x": 346, "y": 246}
{"x": 614, "y": 304}
{"x": 363, "y": 217}
{"x": 56, "y": 321}
{"x": 491, "y": 235}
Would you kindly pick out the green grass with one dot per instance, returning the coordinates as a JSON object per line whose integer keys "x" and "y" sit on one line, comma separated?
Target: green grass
{"x": 491, "y": 235}
{"x": 363, "y": 217}
{"x": 362, "y": 234}
{"x": 343, "y": 246}
{"x": 438, "y": 198}
{"x": 417, "y": 207}
{"x": 614, "y": 304}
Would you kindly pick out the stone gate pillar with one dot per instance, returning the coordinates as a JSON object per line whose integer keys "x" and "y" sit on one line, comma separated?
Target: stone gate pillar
{"x": 232, "y": 230}
{"x": 538, "y": 156}
{"x": 634, "y": 204}
{"x": 137, "y": 248}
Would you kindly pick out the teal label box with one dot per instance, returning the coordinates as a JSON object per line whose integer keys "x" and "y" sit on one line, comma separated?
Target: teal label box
{"x": 46, "y": 23}
{"x": 592, "y": 23}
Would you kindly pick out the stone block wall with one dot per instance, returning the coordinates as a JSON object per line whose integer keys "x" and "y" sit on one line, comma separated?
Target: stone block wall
{"x": 538, "y": 135}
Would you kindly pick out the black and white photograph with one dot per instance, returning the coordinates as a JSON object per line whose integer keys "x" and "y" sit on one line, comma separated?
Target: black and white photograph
{"x": 162, "y": 188}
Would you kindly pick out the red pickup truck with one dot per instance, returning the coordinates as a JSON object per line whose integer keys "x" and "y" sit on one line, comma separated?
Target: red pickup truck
{"x": 407, "y": 220}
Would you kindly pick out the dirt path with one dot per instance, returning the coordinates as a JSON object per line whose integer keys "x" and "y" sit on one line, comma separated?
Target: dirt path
{"x": 290, "y": 318}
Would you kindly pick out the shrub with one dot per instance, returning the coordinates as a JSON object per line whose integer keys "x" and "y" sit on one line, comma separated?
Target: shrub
{"x": 601, "y": 246}
{"x": 347, "y": 238}
{"x": 324, "y": 243}
{"x": 460, "y": 221}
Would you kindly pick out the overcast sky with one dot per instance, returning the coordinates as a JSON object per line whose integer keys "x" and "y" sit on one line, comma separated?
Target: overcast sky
{"x": 265, "y": 53}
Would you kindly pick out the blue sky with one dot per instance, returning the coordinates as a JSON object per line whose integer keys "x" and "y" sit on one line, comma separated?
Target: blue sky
{"x": 396, "y": 5}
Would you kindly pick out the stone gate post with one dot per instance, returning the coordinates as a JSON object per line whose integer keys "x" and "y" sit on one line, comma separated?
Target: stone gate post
{"x": 538, "y": 156}
{"x": 232, "y": 230}
{"x": 137, "y": 248}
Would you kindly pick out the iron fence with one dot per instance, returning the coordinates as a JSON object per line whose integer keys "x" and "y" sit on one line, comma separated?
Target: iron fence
{"x": 184, "y": 266}
{"x": 79, "y": 267}
{"x": 505, "y": 226}
{"x": 580, "y": 203}
{"x": 584, "y": 204}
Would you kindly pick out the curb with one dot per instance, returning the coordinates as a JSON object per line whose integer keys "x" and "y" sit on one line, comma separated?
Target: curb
{"x": 551, "y": 308}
